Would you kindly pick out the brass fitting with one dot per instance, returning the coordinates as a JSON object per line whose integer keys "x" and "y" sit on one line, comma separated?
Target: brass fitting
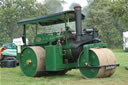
{"x": 28, "y": 62}
{"x": 58, "y": 42}
{"x": 86, "y": 64}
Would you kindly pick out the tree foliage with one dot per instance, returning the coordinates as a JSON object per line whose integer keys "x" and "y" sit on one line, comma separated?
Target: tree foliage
{"x": 110, "y": 18}
{"x": 13, "y": 10}
{"x": 53, "y": 6}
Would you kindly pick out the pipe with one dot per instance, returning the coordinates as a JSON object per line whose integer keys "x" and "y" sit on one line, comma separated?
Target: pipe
{"x": 78, "y": 22}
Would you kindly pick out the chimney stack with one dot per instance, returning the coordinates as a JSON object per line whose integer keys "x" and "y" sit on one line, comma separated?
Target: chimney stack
{"x": 78, "y": 18}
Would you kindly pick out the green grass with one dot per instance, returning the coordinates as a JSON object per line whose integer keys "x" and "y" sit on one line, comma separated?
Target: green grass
{"x": 13, "y": 76}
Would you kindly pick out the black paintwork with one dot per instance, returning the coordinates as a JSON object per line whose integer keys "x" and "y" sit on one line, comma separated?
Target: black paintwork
{"x": 87, "y": 38}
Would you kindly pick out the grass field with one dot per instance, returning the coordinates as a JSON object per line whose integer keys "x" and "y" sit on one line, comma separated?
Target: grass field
{"x": 13, "y": 76}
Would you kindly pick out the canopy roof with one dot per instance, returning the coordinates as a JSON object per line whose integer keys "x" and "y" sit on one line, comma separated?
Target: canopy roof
{"x": 56, "y": 18}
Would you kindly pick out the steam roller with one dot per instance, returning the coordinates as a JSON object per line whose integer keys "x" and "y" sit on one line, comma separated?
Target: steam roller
{"x": 58, "y": 52}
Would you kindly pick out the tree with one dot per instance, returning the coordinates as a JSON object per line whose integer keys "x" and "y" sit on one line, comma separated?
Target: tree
{"x": 13, "y": 10}
{"x": 120, "y": 14}
{"x": 53, "y": 6}
{"x": 100, "y": 15}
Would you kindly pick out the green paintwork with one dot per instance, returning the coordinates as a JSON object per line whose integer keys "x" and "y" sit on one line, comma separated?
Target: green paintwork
{"x": 56, "y": 18}
{"x": 28, "y": 69}
{"x": 90, "y": 58}
{"x": 32, "y": 21}
{"x": 67, "y": 49}
{"x": 54, "y": 58}
{"x": 93, "y": 61}
{"x": 46, "y": 38}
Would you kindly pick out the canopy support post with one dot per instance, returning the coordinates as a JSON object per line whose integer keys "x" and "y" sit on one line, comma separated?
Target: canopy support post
{"x": 65, "y": 21}
{"x": 36, "y": 28}
{"x": 24, "y": 34}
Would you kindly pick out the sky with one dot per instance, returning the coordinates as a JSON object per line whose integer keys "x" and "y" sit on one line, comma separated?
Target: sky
{"x": 69, "y": 2}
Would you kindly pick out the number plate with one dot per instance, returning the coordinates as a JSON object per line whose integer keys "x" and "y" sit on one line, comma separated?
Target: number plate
{"x": 110, "y": 67}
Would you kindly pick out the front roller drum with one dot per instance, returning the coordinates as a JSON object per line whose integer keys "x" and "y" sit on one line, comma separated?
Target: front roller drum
{"x": 32, "y": 61}
{"x": 97, "y": 57}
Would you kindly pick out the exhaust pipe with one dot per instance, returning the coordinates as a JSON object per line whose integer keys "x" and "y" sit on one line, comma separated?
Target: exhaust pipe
{"x": 78, "y": 22}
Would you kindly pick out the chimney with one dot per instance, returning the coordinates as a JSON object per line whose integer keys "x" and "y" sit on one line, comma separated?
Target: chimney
{"x": 78, "y": 18}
